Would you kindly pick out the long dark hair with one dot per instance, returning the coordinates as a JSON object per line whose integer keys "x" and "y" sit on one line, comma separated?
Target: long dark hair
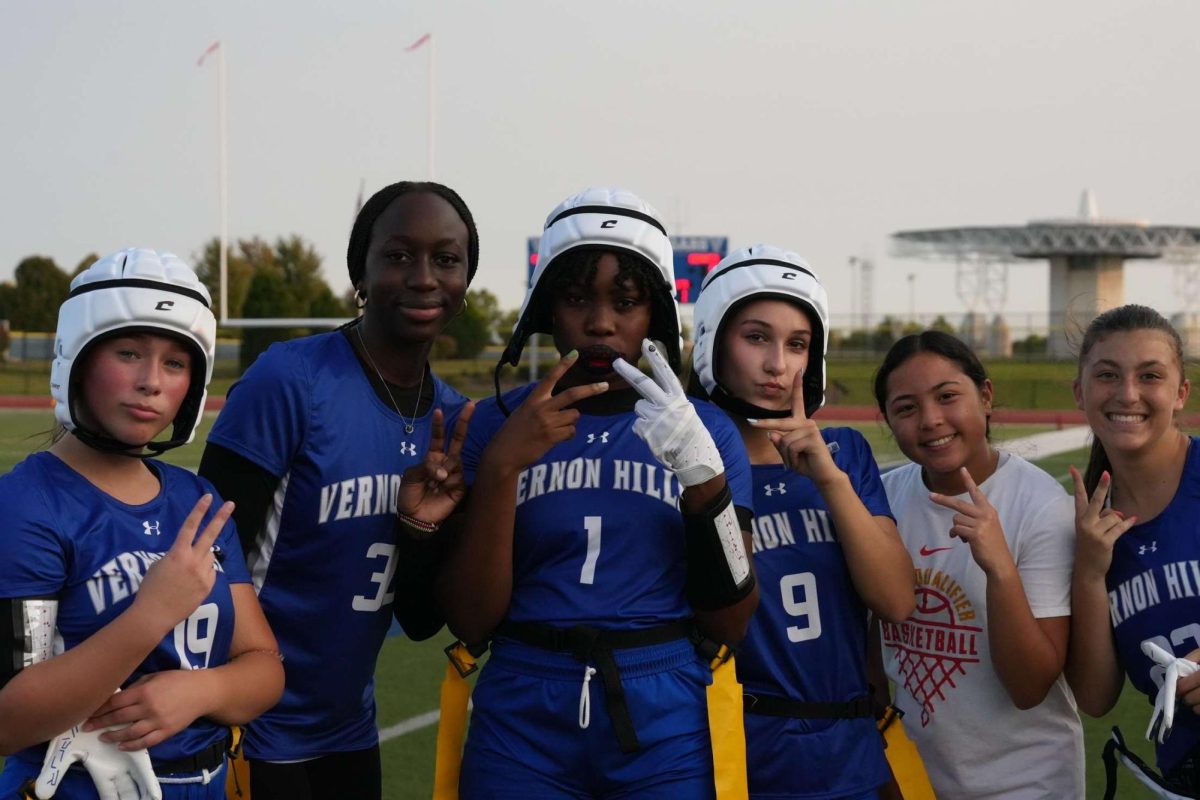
{"x": 1122, "y": 319}
{"x": 939, "y": 343}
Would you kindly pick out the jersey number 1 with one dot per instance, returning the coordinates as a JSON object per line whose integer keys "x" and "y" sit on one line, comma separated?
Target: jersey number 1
{"x": 591, "y": 525}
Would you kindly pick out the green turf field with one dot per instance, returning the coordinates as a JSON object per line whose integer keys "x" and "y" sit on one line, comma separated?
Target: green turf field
{"x": 408, "y": 673}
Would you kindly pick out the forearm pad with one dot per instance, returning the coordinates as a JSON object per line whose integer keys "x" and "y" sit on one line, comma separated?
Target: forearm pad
{"x": 718, "y": 567}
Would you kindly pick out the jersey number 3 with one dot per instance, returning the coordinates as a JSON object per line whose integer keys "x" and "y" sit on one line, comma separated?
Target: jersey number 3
{"x": 805, "y": 606}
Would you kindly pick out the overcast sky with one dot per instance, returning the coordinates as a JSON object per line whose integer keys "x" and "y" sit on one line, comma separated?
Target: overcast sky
{"x": 818, "y": 126}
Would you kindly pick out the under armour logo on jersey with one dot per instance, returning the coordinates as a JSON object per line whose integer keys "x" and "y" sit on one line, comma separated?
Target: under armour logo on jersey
{"x": 1148, "y": 548}
{"x": 602, "y": 437}
{"x": 408, "y": 449}
{"x": 780, "y": 489}
{"x": 151, "y": 527}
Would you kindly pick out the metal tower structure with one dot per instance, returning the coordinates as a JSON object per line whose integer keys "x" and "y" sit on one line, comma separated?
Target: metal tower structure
{"x": 1087, "y": 256}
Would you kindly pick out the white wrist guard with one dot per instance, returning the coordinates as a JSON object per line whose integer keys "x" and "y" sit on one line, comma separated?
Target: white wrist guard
{"x": 719, "y": 573}
{"x": 668, "y": 422}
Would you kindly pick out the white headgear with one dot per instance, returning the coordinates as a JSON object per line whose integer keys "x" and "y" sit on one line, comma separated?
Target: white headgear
{"x": 133, "y": 290}
{"x": 603, "y": 219}
{"x": 753, "y": 273}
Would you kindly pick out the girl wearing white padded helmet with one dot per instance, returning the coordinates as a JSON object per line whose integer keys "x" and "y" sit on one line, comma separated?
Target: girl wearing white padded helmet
{"x": 574, "y": 558}
{"x": 130, "y": 637}
{"x": 825, "y": 545}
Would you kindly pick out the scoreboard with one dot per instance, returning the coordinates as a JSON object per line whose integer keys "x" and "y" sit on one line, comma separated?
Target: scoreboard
{"x": 695, "y": 256}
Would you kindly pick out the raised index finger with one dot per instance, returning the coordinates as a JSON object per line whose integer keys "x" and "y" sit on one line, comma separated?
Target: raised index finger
{"x": 546, "y": 387}
{"x": 437, "y": 439}
{"x": 798, "y": 396}
{"x": 1081, "y": 498}
{"x": 208, "y": 536}
{"x": 460, "y": 429}
{"x": 977, "y": 496}
{"x": 664, "y": 376}
{"x": 187, "y": 531}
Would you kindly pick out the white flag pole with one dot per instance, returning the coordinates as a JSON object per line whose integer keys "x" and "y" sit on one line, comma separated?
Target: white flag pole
{"x": 431, "y": 118}
{"x": 222, "y": 184}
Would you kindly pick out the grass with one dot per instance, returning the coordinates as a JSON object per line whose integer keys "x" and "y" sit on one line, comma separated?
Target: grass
{"x": 1020, "y": 384}
{"x": 408, "y": 673}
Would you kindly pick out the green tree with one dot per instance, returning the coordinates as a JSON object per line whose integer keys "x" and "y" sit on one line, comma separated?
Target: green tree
{"x": 239, "y": 271}
{"x": 85, "y": 262}
{"x": 942, "y": 324}
{"x": 284, "y": 281}
{"x": 31, "y": 301}
{"x": 472, "y": 328}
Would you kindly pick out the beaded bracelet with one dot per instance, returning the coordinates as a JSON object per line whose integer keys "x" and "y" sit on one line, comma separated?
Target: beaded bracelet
{"x": 274, "y": 653}
{"x": 419, "y": 528}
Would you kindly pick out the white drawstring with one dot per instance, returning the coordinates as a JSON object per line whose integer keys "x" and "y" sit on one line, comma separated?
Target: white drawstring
{"x": 585, "y": 698}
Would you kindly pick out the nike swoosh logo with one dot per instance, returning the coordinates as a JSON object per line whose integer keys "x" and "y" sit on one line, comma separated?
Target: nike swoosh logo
{"x": 928, "y": 551}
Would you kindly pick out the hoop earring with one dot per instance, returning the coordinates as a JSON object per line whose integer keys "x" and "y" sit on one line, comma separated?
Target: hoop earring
{"x": 360, "y": 299}
{"x": 461, "y": 310}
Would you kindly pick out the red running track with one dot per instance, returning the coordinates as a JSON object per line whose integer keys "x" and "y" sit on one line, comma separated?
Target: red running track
{"x": 1021, "y": 416}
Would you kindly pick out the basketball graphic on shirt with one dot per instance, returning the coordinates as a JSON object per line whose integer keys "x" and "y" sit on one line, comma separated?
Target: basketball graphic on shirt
{"x": 936, "y": 645}
{"x": 931, "y": 604}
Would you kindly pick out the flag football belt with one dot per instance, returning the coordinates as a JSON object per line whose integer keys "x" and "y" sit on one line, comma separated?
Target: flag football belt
{"x": 771, "y": 706}
{"x": 585, "y": 643}
{"x": 208, "y": 759}
{"x": 1115, "y": 749}
{"x": 724, "y": 695}
{"x": 908, "y": 769}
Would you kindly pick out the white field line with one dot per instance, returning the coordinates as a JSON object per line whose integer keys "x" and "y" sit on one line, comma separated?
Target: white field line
{"x": 1040, "y": 445}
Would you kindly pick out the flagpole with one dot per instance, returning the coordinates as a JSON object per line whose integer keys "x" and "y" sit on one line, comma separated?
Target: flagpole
{"x": 222, "y": 187}
{"x": 429, "y": 132}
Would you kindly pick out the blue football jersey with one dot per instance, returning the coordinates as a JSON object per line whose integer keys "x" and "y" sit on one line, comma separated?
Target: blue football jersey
{"x": 1154, "y": 593}
{"x": 598, "y": 537}
{"x": 324, "y": 561}
{"x": 808, "y": 638}
{"x": 66, "y": 539}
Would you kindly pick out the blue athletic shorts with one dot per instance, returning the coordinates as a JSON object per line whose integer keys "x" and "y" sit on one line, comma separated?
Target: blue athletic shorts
{"x": 78, "y": 783}
{"x": 525, "y": 738}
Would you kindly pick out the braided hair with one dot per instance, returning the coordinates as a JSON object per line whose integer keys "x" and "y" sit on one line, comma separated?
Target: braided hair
{"x": 360, "y": 234}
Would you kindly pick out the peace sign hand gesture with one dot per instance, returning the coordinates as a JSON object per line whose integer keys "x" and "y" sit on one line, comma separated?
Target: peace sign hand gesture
{"x": 430, "y": 490}
{"x": 1096, "y": 528}
{"x": 798, "y": 440}
{"x": 177, "y": 583}
{"x": 543, "y": 420}
{"x": 977, "y": 523}
{"x": 668, "y": 423}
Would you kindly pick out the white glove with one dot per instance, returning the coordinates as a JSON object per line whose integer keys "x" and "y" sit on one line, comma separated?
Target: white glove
{"x": 118, "y": 774}
{"x": 668, "y": 422}
{"x": 1164, "y": 703}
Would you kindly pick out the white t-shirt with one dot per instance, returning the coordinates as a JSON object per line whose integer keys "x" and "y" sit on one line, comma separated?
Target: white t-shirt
{"x": 974, "y": 741}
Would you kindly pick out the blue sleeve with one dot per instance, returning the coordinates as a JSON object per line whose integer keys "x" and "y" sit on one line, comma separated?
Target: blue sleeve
{"x": 31, "y": 549}
{"x": 863, "y": 470}
{"x": 733, "y": 454}
{"x": 484, "y": 423}
{"x": 266, "y": 412}
{"x": 234, "y": 562}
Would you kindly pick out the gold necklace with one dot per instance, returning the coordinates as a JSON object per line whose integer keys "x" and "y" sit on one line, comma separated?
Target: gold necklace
{"x": 408, "y": 426}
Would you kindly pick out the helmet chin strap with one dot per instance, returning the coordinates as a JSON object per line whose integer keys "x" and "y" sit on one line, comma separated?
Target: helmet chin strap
{"x": 102, "y": 441}
{"x": 107, "y": 444}
{"x": 735, "y": 405}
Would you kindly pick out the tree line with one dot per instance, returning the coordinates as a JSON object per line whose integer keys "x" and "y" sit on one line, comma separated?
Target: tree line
{"x": 265, "y": 280}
